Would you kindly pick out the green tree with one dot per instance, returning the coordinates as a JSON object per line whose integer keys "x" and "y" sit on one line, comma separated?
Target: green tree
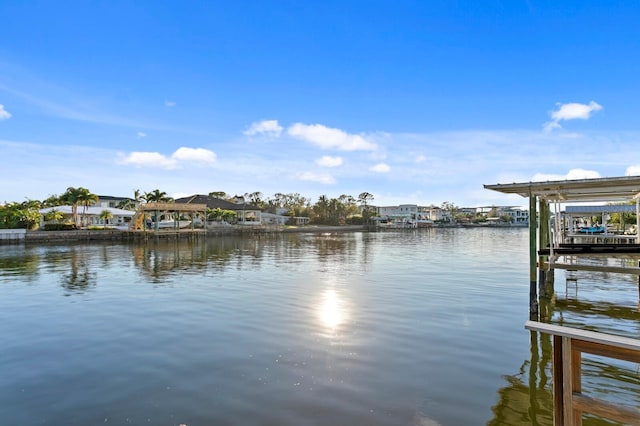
{"x": 54, "y": 216}
{"x": 214, "y": 214}
{"x": 506, "y": 218}
{"x": 86, "y": 198}
{"x": 365, "y": 199}
{"x": 71, "y": 197}
{"x": 451, "y": 209}
{"x": 329, "y": 211}
{"x": 51, "y": 201}
{"x": 218, "y": 194}
{"x": 228, "y": 215}
{"x": 321, "y": 210}
{"x": 622, "y": 219}
{"x": 23, "y": 215}
{"x": 255, "y": 198}
{"x": 106, "y": 216}
{"x": 157, "y": 196}
{"x": 350, "y": 208}
{"x": 127, "y": 204}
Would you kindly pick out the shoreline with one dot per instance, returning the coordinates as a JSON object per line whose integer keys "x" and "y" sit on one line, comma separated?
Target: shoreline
{"x": 44, "y": 237}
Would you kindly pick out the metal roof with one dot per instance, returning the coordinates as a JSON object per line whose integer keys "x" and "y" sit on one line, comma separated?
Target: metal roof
{"x": 601, "y": 189}
{"x": 608, "y": 208}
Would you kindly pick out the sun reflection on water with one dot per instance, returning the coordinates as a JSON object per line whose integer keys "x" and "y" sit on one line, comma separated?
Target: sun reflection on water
{"x": 332, "y": 311}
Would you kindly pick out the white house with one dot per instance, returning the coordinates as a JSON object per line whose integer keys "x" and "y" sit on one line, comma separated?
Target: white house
{"x": 520, "y": 215}
{"x": 408, "y": 211}
{"x": 90, "y": 216}
{"x": 273, "y": 219}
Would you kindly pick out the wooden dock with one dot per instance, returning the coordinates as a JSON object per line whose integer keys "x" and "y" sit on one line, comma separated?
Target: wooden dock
{"x": 569, "y": 402}
{"x": 552, "y": 246}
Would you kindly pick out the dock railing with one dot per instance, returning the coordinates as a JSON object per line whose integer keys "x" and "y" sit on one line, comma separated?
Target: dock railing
{"x": 569, "y": 403}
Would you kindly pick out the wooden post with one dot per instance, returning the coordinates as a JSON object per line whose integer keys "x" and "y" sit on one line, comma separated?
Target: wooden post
{"x": 567, "y": 384}
{"x": 533, "y": 257}
{"x": 545, "y": 228}
{"x": 534, "y": 402}
{"x": 576, "y": 382}
{"x": 558, "y": 380}
{"x": 544, "y": 240}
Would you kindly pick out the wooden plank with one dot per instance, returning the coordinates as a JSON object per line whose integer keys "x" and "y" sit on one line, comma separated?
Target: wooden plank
{"x": 577, "y": 267}
{"x": 588, "y": 336}
{"x": 600, "y": 349}
{"x": 621, "y": 413}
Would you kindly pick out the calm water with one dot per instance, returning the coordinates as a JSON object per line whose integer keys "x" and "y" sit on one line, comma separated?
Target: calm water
{"x": 410, "y": 328}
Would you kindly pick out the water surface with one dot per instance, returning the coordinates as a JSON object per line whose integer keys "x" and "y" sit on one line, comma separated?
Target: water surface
{"x": 396, "y": 328}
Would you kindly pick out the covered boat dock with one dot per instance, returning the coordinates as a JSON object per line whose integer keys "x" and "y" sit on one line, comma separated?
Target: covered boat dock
{"x": 554, "y": 243}
{"x": 551, "y": 239}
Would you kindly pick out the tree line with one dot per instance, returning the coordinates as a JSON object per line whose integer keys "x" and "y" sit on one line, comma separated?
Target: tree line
{"x": 344, "y": 209}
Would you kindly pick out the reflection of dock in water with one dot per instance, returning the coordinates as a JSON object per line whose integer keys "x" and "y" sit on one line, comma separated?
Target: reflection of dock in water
{"x": 527, "y": 398}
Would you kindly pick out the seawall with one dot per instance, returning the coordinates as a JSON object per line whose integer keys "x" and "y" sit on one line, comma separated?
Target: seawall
{"x": 19, "y": 236}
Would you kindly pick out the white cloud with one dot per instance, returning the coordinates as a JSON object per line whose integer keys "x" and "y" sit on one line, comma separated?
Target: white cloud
{"x": 269, "y": 128}
{"x": 4, "y": 114}
{"x": 169, "y": 104}
{"x": 571, "y": 111}
{"x": 315, "y": 177}
{"x": 573, "y": 174}
{"x": 330, "y": 138}
{"x": 328, "y": 161}
{"x": 141, "y": 135}
{"x": 155, "y": 159}
{"x": 380, "y": 168}
{"x": 633, "y": 171}
{"x": 199, "y": 155}
{"x": 420, "y": 159}
{"x": 149, "y": 159}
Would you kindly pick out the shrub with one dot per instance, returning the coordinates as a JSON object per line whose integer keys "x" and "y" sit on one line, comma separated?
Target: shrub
{"x": 60, "y": 227}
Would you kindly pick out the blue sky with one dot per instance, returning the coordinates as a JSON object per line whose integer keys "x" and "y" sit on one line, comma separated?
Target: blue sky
{"x": 413, "y": 101}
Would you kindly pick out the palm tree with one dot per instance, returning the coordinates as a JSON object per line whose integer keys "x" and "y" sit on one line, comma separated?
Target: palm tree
{"x": 105, "y": 215}
{"x": 157, "y": 196}
{"x": 85, "y": 197}
{"x": 71, "y": 197}
{"x": 51, "y": 201}
{"x": 54, "y": 216}
{"x": 137, "y": 196}
{"x": 127, "y": 204}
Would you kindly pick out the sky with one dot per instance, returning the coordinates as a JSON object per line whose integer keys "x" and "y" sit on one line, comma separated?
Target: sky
{"x": 415, "y": 102}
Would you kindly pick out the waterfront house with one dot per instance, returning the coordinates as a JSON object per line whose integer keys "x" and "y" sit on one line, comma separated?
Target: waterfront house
{"x": 273, "y": 219}
{"x": 90, "y": 216}
{"x": 403, "y": 216}
{"x": 109, "y": 201}
{"x": 518, "y": 215}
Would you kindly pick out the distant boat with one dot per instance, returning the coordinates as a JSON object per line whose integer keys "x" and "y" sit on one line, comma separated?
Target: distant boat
{"x": 171, "y": 224}
{"x": 592, "y": 230}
